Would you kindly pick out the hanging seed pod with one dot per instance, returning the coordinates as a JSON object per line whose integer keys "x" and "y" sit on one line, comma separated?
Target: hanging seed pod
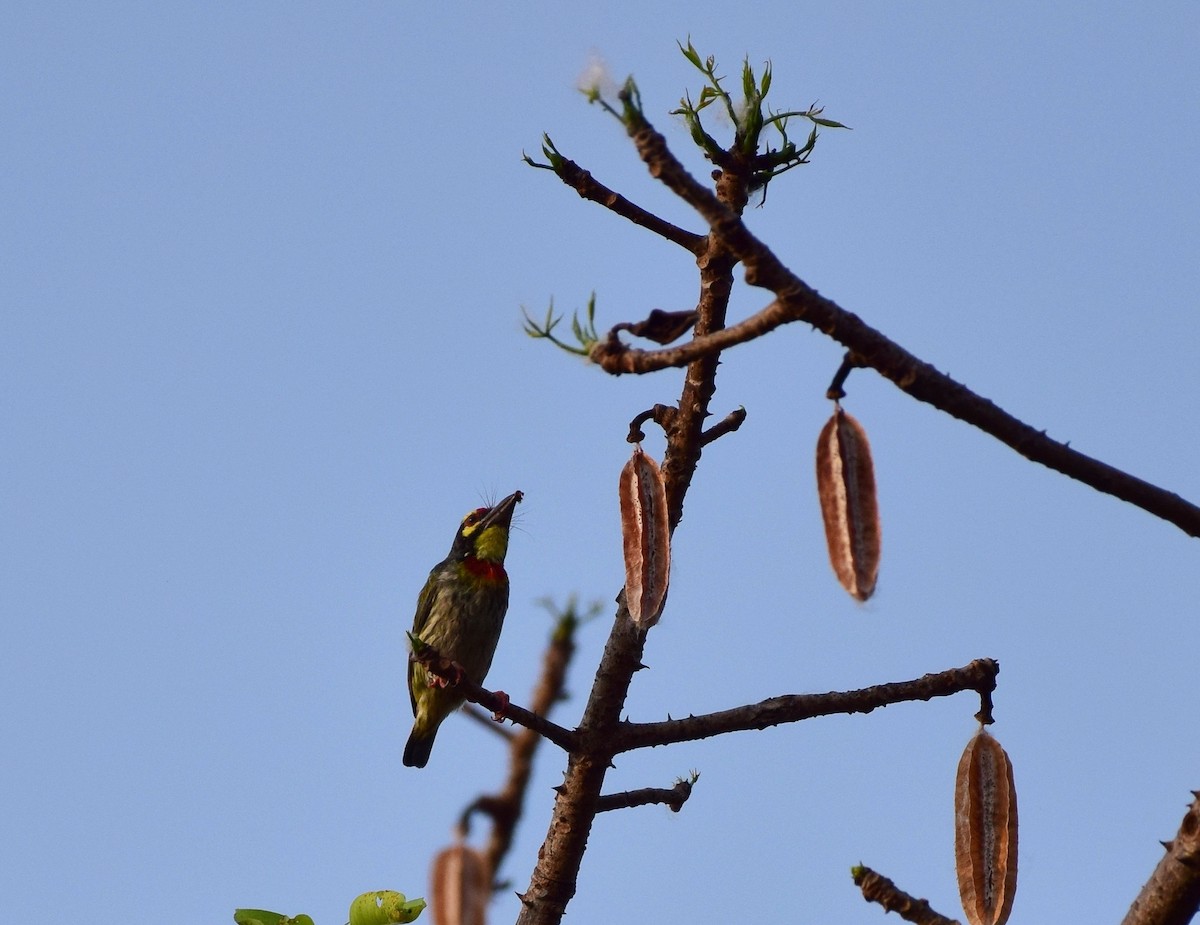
{"x": 646, "y": 538}
{"x": 985, "y": 831}
{"x": 459, "y": 886}
{"x": 846, "y": 487}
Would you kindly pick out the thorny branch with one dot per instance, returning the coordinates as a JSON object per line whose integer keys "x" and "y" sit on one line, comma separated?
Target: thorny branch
{"x": 601, "y": 734}
{"x": 506, "y": 806}
{"x": 672, "y": 797}
{"x": 497, "y": 702}
{"x": 877, "y": 888}
{"x": 727, "y": 425}
{"x": 979, "y": 676}
{"x": 590, "y": 188}
{"x": 553, "y": 882}
{"x": 662, "y": 415}
{"x": 1172, "y": 894}
{"x": 796, "y": 301}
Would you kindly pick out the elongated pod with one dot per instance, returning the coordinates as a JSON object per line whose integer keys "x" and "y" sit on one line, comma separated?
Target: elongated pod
{"x": 846, "y": 488}
{"x": 460, "y": 886}
{"x": 985, "y": 831}
{"x": 646, "y": 538}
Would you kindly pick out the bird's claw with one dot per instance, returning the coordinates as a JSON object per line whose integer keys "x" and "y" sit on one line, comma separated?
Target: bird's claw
{"x": 505, "y": 700}
{"x": 457, "y": 672}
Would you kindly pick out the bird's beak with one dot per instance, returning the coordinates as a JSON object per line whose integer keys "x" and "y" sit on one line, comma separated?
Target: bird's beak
{"x": 501, "y": 514}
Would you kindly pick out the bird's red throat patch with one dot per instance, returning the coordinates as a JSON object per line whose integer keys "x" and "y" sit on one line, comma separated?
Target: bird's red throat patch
{"x": 484, "y": 570}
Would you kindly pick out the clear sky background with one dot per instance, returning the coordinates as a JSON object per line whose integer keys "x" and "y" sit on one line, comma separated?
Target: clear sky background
{"x": 260, "y": 349}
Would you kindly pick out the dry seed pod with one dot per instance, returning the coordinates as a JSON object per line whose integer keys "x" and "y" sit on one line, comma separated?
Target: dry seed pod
{"x": 846, "y": 487}
{"x": 459, "y": 886}
{"x": 985, "y": 831}
{"x": 646, "y": 538}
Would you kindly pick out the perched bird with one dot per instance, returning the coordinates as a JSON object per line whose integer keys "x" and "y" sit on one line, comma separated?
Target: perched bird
{"x": 459, "y": 613}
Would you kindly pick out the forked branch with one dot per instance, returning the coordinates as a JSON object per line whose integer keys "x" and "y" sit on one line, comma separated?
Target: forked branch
{"x": 797, "y": 301}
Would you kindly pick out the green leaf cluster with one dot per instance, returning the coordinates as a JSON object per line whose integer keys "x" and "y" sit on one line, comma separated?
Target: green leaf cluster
{"x": 384, "y": 907}
{"x": 380, "y": 907}
{"x": 583, "y": 330}
{"x": 263, "y": 917}
{"x": 553, "y": 158}
{"x": 751, "y": 118}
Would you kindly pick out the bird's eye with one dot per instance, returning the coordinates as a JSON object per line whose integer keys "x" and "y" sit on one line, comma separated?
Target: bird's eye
{"x": 474, "y": 517}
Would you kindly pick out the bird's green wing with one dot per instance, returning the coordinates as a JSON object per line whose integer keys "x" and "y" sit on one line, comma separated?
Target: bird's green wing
{"x": 425, "y": 602}
{"x": 424, "y": 609}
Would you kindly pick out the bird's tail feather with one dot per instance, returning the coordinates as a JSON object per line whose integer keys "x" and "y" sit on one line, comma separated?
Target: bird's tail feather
{"x": 418, "y": 747}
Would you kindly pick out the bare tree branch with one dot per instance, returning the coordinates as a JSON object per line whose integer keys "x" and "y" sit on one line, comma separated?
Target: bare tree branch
{"x": 590, "y": 188}
{"x": 673, "y": 797}
{"x": 727, "y": 425}
{"x": 601, "y": 734}
{"x": 615, "y": 357}
{"x": 553, "y": 881}
{"x": 480, "y": 716}
{"x": 877, "y": 888}
{"x": 506, "y": 806}
{"x": 496, "y": 701}
{"x": 797, "y": 301}
{"x": 979, "y": 676}
{"x": 1172, "y": 894}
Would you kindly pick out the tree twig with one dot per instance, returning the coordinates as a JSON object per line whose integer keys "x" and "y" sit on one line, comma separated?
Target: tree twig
{"x": 446, "y": 669}
{"x": 588, "y": 187}
{"x": 553, "y": 881}
{"x": 877, "y": 888}
{"x": 506, "y": 806}
{"x": 979, "y": 675}
{"x": 1172, "y": 894}
{"x": 673, "y": 797}
{"x": 797, "y": 301}
{"x": 727, "y": 425}
{"x": 662, "y": 415}
{"x": 475, "y": 714}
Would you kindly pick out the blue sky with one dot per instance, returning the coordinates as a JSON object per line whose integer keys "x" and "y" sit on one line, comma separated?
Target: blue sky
{"x": 260, "y": 349}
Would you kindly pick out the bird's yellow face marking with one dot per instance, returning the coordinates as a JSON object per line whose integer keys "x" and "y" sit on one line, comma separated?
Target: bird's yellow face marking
{"x": 471, "y": 521}
{"x": 492, "y": 544}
